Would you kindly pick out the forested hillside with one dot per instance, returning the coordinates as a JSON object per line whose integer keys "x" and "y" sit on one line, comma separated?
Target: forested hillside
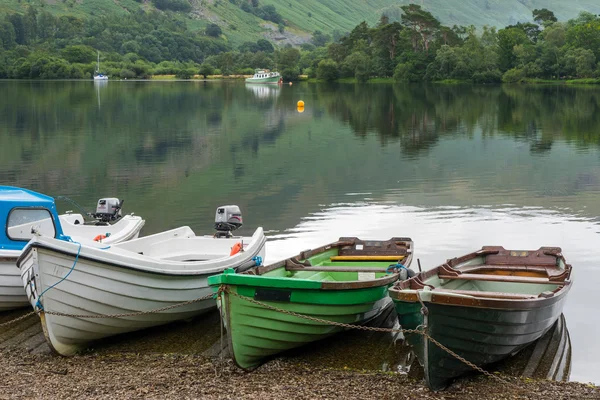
{"x": 158, "y": 37}
{"x": 243, "y": 20}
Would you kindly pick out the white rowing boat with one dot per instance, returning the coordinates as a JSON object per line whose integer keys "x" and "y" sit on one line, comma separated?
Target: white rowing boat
{"x": 141, "y": 275}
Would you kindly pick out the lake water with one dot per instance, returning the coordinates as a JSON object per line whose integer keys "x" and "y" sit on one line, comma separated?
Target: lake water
{"x": 453, "y": 167}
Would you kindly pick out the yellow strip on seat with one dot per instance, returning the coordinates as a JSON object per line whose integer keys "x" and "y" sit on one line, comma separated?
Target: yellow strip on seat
{"x": 365, "y": 258}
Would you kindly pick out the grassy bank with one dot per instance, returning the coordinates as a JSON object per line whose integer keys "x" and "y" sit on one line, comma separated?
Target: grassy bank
{"x": 220, "y": 77}
{"x": 537, "y": 81}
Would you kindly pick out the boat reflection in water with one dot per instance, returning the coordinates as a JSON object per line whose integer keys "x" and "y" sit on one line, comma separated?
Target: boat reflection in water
{"x": 262, "y": 91}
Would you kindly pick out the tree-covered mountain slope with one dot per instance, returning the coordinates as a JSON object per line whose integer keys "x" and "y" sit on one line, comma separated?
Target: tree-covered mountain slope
{"x": 302, "y": 17}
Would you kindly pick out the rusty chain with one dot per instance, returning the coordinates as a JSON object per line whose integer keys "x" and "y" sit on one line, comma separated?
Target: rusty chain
{"x": 22, "y": 317}
{"x": 376, "y": 329}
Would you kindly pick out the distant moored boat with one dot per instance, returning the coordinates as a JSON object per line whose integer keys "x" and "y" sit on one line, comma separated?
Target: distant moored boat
{"x": 97, "y": 75}
{"x": 264, "y": 76}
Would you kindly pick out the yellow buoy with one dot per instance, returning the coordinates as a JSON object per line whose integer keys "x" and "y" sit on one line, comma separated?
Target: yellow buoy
{"x": 300, "y": 103}
{"x": 300, "y": 109}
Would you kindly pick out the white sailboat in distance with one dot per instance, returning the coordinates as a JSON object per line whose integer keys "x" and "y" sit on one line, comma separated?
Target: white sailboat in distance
{"x": 97, "y": 75}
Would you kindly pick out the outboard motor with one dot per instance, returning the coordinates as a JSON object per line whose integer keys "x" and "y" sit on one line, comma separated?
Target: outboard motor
{"x": 227, "y": 219}
{"x": 109, "y": 209}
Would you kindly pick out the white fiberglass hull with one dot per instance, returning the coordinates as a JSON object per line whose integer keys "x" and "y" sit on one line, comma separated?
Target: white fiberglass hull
{"x": 12, "y": 295}
{"x": 121, "y": 280}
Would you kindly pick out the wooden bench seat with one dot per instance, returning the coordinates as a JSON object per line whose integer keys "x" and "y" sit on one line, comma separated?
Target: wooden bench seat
{"x": 499, "y": 278}
{"x": 489, "y": 295}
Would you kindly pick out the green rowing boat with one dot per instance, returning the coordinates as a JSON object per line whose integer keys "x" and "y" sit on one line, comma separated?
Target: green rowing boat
{"x": 484, "y": 306}
{"x": 345, "y": 282}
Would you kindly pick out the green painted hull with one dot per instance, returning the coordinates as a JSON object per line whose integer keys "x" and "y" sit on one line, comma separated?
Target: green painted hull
{"x": 346, "y": 282}
{"x": 273, "y": 79}
{"x": 482, "y": 336}
{"x": 257, "y": 333}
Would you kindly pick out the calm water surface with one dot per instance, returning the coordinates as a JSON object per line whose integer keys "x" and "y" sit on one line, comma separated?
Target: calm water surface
{"x": 454, "y": 167}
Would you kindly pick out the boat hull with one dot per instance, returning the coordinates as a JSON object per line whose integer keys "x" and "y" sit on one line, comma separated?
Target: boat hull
{"x": 256, "y": 333}
{"x": 272, "y": 79}
{"x": 480, "y": 335}
{"x": 12, "y": 295}
{"x": 93, "y": 283}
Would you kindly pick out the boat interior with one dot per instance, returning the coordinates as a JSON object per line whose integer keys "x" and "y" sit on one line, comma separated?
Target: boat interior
{"x": 349, "y": 259}
{"x": 39, "y": 221}
{"x": 182, "y": 244}
{"x": 497, "y": 273}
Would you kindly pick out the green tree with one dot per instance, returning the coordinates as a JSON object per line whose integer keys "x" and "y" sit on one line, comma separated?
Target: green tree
{"x": 19, "y": 28}
{"x": 508, "y": 38}
{"x": 357, "y": 65}
{"x": 206, "y": 70}
{"x": 7, "y": 35}
{"x": 584, "y": 32}
{"x": 386, "y": 46}
{"x": 78, "y": 54}
{"x": 46, "y": 25}
{"x": 320, "y": 39}
{"x": 543, "y": 16}
{"x": 580, "y": 62}
{"x": 265, "y": 45}
{"x": 288, "y": 58}
{"x": 423, "y": 25}
{"x": 328, "y": 70}
{"x": 213, "y": 30}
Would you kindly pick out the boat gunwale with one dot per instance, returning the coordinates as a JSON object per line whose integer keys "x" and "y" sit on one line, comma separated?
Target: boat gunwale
{"x": 178, "y": 273}
{"x": 448, "y": 299}
{"x": 253, "y": 273}
{"x": 402, "y": 291}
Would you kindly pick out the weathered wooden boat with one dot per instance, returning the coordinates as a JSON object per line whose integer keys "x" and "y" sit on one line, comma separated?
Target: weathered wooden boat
{"x": 345, "y": 281}
{"x": 138, "y": 276}
{"x": 23, "y": 211}
{"x": 484, "y": 306}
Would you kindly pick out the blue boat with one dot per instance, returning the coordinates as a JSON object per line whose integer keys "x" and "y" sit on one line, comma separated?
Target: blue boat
{"x": 26, "y": 213}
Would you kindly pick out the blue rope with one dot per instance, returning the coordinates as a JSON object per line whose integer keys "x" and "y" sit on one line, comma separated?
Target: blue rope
{"x": 38, "y": 304}
{"x": 257, "y": 260}
{"x": 393, "y": 267}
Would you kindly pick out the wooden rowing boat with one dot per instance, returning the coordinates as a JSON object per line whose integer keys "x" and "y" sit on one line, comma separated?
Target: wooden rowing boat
{"x": 484, "y": 306}
{"x": 345, "y": 282}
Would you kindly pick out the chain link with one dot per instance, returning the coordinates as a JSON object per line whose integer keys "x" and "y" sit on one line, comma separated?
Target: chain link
{"x": 22, "y": 317}
{"x": 377, "y": 329}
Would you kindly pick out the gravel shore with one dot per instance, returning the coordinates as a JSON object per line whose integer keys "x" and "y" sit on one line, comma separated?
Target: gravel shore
{"x": 131, "y": 375}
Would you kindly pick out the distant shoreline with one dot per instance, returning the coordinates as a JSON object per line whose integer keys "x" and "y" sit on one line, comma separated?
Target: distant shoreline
{"x": 304, "y": 78}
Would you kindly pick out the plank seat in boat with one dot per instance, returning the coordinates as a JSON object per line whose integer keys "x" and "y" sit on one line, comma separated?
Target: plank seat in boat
{"x": 366, "y": 258}
{"x": 491, "y": 295}
{"x": 514, "y": 269}
{"x": 498, "y": 278}
{"x": 336, "y": 269}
